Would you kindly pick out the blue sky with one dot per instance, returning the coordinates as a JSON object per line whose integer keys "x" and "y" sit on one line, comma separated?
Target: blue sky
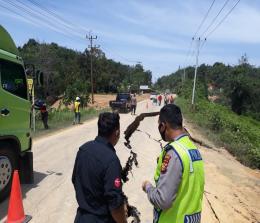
{"x": 156, "y": 33}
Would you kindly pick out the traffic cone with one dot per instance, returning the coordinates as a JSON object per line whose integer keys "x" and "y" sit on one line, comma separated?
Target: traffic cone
{"x": 15, "y": 209}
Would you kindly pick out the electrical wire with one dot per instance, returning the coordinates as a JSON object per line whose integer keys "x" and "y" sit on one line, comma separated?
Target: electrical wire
{"x": 41, "y": 16}
{"x": 20, "y": 15}
{"x": 204, "y": 19}
{"x": 33, "y": 18}
{"x": 189, "y": 51}
{"x": 203, "y": 43}
{"x": 50, "y": 19}
{"x": 32, "y": 14}
{"x": 124, "y": 58}
{"x": 219, "y": 24}
{"x": 197, "y": 31}
{"x": 224, "y": 18}
{"x": 54, "y": 14}
{"x": 215, "y": 18}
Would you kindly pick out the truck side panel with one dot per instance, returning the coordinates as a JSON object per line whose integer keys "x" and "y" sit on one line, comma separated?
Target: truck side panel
{"x": 14, "y": 105}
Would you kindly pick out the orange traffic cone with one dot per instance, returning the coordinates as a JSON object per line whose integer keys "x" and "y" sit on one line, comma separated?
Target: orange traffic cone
{"x": 15, "y": 209}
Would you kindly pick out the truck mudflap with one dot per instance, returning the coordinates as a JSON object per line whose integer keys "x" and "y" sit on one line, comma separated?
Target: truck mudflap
{"x": 26, "y": 168}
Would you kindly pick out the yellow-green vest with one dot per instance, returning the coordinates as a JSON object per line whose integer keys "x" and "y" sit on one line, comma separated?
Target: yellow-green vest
{"x": 76, "y": 106}
{"x": 186, "y": 208}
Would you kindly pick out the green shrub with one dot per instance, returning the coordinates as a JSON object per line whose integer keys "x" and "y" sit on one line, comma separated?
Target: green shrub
{"x": 240, "y": 135}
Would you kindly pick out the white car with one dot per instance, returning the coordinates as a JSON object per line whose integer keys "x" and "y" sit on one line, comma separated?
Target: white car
{"x": 153, "y": 95}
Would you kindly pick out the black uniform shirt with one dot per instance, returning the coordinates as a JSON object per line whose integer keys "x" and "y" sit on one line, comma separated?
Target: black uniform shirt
{"x": 97, "y": 181}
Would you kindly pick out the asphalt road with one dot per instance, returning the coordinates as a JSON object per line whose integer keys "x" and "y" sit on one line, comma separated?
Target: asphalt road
{"x": 232, "y": 191}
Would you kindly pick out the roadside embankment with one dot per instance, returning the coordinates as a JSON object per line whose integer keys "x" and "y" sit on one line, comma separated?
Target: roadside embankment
{"x": 240, "y": 135}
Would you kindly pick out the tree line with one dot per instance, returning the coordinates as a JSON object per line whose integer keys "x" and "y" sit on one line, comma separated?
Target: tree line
{"x": 237, "y": 87}
{"x": 66, "y": 72}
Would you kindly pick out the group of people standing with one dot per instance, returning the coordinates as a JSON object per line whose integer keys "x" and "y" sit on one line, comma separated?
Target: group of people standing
{"x": 42, "y": 107}
{"x": 166, "y": 98}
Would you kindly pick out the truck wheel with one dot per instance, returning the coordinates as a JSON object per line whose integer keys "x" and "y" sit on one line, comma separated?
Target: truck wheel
{"x": 8, "y": 163}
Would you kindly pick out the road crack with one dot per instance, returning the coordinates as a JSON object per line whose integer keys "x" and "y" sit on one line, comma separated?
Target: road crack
{"x": 211, "y": 207}
{"x": 150, "y": 137}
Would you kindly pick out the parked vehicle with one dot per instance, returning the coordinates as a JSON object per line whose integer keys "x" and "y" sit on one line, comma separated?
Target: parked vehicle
{"x": 122, "y": 102}
{"x": 15, "y": 112}
{"x": 153, "y": 95}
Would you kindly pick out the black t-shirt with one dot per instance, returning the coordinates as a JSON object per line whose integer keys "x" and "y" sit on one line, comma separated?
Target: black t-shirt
{"x": 97, "y": 182}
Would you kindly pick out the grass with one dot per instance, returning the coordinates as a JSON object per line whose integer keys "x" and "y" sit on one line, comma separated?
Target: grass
{"x": 240, "y": 135}
{"x": 60, "y": 119}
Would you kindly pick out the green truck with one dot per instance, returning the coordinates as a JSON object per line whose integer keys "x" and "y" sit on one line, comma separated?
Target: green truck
{"x": 15, "y": 116}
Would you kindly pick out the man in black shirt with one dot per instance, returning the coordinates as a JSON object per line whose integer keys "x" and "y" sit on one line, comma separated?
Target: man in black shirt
{"x": 97, "y": 176}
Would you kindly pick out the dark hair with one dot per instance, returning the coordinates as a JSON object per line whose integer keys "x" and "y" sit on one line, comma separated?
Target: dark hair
{"x": 108, "y": 122}
{"x": 171, "y": 113}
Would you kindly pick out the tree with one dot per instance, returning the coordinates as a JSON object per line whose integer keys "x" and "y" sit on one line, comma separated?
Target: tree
{"x": 237, "y": 87}
{"x": 63, "y": 67}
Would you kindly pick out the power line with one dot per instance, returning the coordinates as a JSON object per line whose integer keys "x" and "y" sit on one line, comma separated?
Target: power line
{"x": 14, "y": 12}
{"x": 203, "y": 43}
{"x": 59, "y": 17}
{"x": 34, "y": 17}
{"x": 218, "y": 25}
{"x": 215, "y": 18}
{"x": 45, "y": 18}
{"x": 198, "y": 29}
{"x": 51, "y": 12}
{"x": 36, "y": 9}
{"x": 224, "y": 18}
{"x": 189, "y": 51}
{"x": 124, "y": 58}
{"x": 204, "y": 19}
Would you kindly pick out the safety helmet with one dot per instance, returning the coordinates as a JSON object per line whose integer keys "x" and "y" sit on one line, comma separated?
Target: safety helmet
{"x": 77, "y": 98}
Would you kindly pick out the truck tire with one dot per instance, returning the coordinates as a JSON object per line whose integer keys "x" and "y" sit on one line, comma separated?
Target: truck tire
{"x": 8, "y": 163}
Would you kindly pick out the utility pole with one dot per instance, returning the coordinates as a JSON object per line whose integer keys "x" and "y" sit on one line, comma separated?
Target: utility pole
{"x": 91, "y": 38}
{"x": 196, "y": 69}
{"x": 183, "y": 75}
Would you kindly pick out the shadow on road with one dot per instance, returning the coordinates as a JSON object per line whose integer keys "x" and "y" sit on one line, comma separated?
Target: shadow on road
{"x": 38, "y": 177}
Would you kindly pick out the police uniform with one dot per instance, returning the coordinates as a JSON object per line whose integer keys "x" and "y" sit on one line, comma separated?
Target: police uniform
{"x": 179, "y": 179}
{"x": 97, "y": 182}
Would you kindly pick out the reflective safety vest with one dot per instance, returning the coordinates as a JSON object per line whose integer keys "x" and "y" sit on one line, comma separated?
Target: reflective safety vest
{"x": 76, "y": 106}
{"x": 186, "y": 208}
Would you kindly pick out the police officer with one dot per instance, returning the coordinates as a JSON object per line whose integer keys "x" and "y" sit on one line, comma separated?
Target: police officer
{"x": 179, "y": 176}
{"x": 97, "y": 176}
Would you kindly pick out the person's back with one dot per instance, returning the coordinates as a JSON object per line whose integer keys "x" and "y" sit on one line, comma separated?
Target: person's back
{"x": 88, "y": 176}
{"x": 76, "y": 106}
{"x": 179, "y": 175}
{"x": 77, "y": 111}
{"x": 133, "y": 100}
{"x": 97, "y": 176}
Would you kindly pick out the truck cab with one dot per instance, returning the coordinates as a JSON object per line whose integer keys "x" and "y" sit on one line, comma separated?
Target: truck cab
{"x": 122, "y": 102}
{"x": 15, "y": 112}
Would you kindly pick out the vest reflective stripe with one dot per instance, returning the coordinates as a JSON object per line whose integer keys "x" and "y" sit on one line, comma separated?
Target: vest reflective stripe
{"x": 194, "y": 218}
{"x": 186, "y": 208}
